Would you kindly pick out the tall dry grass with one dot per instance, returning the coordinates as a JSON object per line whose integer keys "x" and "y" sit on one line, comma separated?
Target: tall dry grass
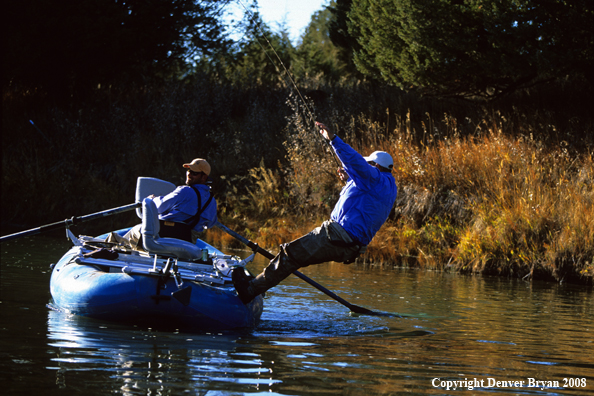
{"x": 489, "y": 202}
{"x": 502, "y": 188}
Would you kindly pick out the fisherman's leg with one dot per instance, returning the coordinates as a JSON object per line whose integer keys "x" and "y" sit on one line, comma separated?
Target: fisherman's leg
{"x": 135, "y": 237}
{"x": 329, "y": 242}
{"x": 313, "y": 248}
{"x": 318, "y": 246}
{"x": 279, "y": 268}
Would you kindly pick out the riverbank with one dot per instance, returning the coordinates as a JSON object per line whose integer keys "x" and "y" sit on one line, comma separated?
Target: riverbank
{"x": 491, "y": 205}
{"x": 500, "y": 188}
{"x": 504, "y": 200}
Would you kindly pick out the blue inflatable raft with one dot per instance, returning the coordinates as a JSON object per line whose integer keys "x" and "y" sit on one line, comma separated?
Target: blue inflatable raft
{"x": 168, "y": 284}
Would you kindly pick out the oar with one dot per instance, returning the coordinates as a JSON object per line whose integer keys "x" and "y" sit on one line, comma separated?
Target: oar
{"x": 270, "y": 256}
{"x": 69, "y": 222}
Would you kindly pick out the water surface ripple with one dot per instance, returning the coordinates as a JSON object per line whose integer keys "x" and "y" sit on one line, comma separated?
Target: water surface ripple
{"x": 447, "y": 328}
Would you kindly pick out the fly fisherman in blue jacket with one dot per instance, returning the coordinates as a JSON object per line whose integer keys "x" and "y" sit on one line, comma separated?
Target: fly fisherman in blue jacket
{"x": 189, "y": 207}
{"x": 364, "y": 205}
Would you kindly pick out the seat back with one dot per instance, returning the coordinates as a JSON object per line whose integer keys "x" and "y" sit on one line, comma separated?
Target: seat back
{"x": 166, "y": 246}
{"x": 146, "y": 186}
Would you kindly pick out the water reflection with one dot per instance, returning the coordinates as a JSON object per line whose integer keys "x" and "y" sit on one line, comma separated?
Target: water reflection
{"x": 452, "y": 328}
{"x": 307, "y": 344}
{"x": 137, "y": 360}
{"x": 290, "y": 340}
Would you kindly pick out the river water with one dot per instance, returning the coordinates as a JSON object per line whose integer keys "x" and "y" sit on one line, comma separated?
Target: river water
{"x": 478, "y": 335}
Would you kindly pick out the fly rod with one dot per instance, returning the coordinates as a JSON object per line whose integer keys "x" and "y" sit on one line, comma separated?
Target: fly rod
{"x": 288, "y": 74}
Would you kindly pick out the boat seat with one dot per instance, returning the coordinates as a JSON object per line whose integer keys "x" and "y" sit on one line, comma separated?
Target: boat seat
{"x": 165, "y": 246}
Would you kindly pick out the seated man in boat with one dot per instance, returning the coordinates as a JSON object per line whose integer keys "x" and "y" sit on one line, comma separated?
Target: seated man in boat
{"x": 189, "y": 207}
{"x": 364, "y": 205}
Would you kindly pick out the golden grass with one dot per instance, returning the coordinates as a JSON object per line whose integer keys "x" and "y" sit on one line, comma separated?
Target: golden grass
{"x": 491, "y": 204}
{"x": 478, "y": 192}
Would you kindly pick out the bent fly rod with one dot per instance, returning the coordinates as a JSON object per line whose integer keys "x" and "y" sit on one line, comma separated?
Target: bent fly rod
{"x": 288, "y": 74}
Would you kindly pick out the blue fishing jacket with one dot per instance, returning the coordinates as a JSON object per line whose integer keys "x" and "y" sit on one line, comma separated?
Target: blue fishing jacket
{"x": 182, "y": 203}
{"x": 367, "y": 199}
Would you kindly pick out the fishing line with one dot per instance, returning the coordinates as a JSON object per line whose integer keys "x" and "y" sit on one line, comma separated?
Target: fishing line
{"x": 294, "y": 85}
{"x": 252, "y": 19}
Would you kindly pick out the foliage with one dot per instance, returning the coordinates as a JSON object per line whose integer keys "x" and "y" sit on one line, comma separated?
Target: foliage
{"x": 265, "y": 194}
{"x": 258, "y": 59}
{"x": 316, "y": 54}
{"x": 263, "y": 57}
{"x": 338, "y": 32}
{"x": 474, "y": 196}
{"x": 111, "y": 140}
{"x": 477, "y": 191}
{"x": 68, "y": 46}
{"x": 471, "y": 48}
{"x": 503, "y": 187}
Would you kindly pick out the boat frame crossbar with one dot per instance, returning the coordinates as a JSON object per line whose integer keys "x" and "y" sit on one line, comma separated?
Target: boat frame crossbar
{"x": 158, "y": 266}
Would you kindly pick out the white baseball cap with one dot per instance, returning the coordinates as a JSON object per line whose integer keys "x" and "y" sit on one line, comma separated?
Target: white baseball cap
{"x": 381, "y": 158}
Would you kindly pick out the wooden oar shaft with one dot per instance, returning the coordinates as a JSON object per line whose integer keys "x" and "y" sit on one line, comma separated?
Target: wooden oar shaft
{"x": 245, "y": 241}
{"x": 270, "y": 256}
{"x": 352, "y": 307}
{"x": 69, "y": 222}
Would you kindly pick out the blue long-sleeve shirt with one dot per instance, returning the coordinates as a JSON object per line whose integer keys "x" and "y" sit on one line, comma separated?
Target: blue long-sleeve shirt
{"x": 366, "y": 200}
{"x": 182, "y": 203}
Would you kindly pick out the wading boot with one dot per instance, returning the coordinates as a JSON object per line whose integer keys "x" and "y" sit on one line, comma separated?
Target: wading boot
{"x": 242, "y": 285}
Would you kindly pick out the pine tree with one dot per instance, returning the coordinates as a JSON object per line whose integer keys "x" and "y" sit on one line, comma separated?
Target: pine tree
{"x": 471, "y": 48}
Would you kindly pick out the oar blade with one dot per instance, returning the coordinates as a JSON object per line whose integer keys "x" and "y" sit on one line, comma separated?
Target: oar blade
{"x": 360, "y": 310}
{"x": 364, "y": 311}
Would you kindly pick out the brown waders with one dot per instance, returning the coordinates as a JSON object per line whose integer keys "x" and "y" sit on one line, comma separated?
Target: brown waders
{"x": 329, "y": 242}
